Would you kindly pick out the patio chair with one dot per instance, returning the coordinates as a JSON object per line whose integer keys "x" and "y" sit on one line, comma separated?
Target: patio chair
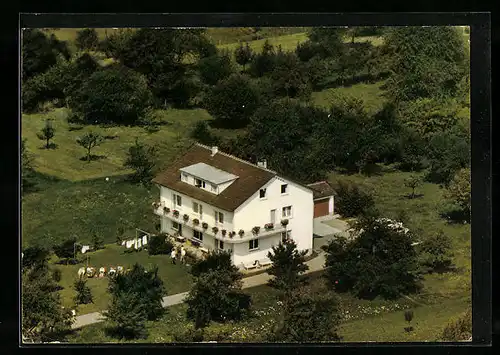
{"x": 264, "y": 262}
{"x": 250, "y": 265}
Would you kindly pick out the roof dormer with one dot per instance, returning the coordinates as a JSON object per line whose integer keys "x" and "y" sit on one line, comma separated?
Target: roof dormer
{"x": 207, "y": 177}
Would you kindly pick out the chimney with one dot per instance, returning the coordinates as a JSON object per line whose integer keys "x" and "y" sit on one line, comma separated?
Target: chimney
{"x": 214, "y": 150}
{"x": 262, "y": 164}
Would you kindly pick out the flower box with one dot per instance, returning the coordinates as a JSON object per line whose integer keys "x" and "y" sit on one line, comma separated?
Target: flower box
{"x": 156, "y": 205}
{"x": 185, "y": 218}
{"x": 269, "y": 226}
{"x": 241, "y": 233}
{"x": 166, "y": 210}
{"x": 175, "y": 213}
{"x": 196, "y": 221}
{"x": 215, "y": 230}
{"x": 284, "y": 222}
{"x": 224, "y": 232}
{"x": 204, "y": 225}
{"x": 256, "y": 230}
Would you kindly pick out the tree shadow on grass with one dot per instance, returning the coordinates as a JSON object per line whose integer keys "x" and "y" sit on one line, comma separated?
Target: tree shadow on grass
{"x": 93, "y": 157}
{"x": 410, "y": 197}
{"x": 50, "y": 146}
{"x": 75, "y": 128}
{"x": 456, "y": 216}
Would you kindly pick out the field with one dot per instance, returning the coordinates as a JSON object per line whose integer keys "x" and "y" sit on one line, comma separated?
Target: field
{"x": 370, "y": 94}
{"x": 65, "y": 161}
{"x": 175, "y": 277}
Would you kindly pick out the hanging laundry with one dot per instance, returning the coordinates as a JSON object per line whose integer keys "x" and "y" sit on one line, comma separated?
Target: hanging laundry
{"x": 129, "y": 244}
{"x": 145, "y": 240}
{"x": 139, "y": 244}
{"x": 136, "y": 246}
{"x": 85, "y": 248}
{"x": 124, "y": 242}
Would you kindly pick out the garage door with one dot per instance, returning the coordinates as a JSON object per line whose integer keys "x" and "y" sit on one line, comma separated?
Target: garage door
{"x": 321, "y": 208}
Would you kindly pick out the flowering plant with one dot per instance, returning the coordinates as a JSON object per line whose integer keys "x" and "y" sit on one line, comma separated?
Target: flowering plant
{"x": 241, "y": 232}
{"x": 155, "y": 205}
{"x": 176, "y": 213}
{"x": 185, "y": 217}
{"x": 204, "y": 225}
{"x": 196, "y": 221}
{"x": 166, "y": 210}
{"x": 269, "y": 226}
{"x": 284, "y": 222}
{"x": 223, "y": 232}
{"x": 231, "y": 234}
{"x": 256, "y": 230}
{"x": 215, "y": 230}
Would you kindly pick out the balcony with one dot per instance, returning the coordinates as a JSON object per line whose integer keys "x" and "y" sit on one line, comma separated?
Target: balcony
{"x": 236, "y": 237}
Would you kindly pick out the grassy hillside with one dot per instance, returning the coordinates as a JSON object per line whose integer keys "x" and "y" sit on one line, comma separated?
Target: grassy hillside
{"x": 65, "y": 161}
{"x": 371, "y": 94}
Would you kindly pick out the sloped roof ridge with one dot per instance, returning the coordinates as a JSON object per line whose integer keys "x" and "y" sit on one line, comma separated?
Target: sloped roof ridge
{"x": 238, "y": 159}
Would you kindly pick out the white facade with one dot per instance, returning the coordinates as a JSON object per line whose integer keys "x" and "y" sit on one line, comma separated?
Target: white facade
{"x": 297, "y": 204}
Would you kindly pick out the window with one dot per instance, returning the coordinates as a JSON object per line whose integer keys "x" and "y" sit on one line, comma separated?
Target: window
{"x": 253, "y": 244}
{"x": 287, "y": 211}
{"x": 177, "y": 200}
{"x": 197, "y": 208}
{"x": 214, "y": 187}
{"x": 286, "y": 235}
{"x": 262, "y": 193}
{"x": 219, "y": 217}
{"x": 220, "y": 244}
{"x": 198, "y": 235}
{"x": 175, "y": 226}
{"x": 284, "y": 188}
{"x": 199, "y": 183}
{"x": 184, "y": 177}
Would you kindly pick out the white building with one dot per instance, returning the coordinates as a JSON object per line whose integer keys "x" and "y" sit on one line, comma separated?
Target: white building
{"x": 223, "y": 202}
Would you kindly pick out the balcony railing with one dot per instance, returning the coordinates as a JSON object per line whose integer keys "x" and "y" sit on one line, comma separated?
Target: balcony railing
{"x": 235, "y": 238}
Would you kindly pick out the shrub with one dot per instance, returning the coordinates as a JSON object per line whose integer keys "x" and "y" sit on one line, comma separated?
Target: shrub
{"x": 159, "y": 244}
{"x": 56, "y": 275}
{"x": 83, "y": 293}
{"x": 351, "y": 201}
{"x": 288, "y": 265}
{"x": 459, "y": 329}
{"x": 97, "y": 242}
{"x": 435, "y": 253}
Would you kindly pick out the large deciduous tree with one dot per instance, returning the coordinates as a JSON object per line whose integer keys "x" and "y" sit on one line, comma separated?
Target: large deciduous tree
{"x": 379, "y": 260}
{"x": 426, "y": 61}
{"x": 243, "y": 55}
{"x": 289, "y": 77}
{"x": 215, "y": 68}
{"x": 114, "y": 94}
{"x": 233, "y": 100}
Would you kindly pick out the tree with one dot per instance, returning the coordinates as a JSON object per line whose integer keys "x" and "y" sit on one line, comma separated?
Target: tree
{"x": 412, "y": 149}
{"x": 43, "y": 318}
{"x": 243, "y": 54}
{"x": 413, "y": 182}
{"x": 87, "y": 39}
{"x": 309, "y": 316}
{"x": 459, "y": 190}
{"x": 426, "y": 61}
{"x": 97, "y": 241}
{"x": 352, "y": 201}
{"x": 83, "y": 293}
{"x": 88, "y": 141}
{"x": 379, "y": 260}
{"x": 289, "y": 77}
{"x": 27, "y": 170}
{"x": 39, "y": 52}
{"x": 435, "y": 253}
{"x": 66, "y": 250}
{"x": 216, "y": 294}
{"x": 447, "y": 153}
{"x": 47, "y": 133}
{"x": 201, "y": 132}
{"x": 127, "y": 315}
{"x": 35, "y": 256}
{"x": 329, "y": 40}
{"x": 114, "y": 94}
{"x": 141, "y": 158}
{"x": 215, "y": 68}
{"x": 232, "y": 101}
{"x": 145, "y": 284}
{"x": 263, "y": 63}
{"x": 288, "y": 265}
{"x": 307, "y": 50}
{"x": 158, "y": 244}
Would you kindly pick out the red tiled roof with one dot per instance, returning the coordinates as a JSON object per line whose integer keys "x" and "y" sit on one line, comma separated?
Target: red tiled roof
{"x": 250, "y": 177}
{"x": 321, "y": 189}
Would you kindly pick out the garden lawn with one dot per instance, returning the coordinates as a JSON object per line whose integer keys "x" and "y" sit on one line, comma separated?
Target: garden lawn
{"x": 424, "y": 217}
{"x": 175, "y": 277}
{"x": 288, "y": 43}
{"x": 61, "y": 208}
{"x": 65, "y": 160}
{"x": 370, "y": 94}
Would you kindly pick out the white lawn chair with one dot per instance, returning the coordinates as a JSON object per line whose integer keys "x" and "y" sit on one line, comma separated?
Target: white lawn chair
{"x": 81, "y": 272}
{"x": 264, "y": 262}
{"x": 250, "y": 265}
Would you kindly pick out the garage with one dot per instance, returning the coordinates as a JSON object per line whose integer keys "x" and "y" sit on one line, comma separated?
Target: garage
{"x": 323, "y": 195}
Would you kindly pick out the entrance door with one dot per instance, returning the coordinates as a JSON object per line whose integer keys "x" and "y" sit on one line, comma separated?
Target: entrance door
{"x": 273, "y": 216}
{"x": 180, "y": 229}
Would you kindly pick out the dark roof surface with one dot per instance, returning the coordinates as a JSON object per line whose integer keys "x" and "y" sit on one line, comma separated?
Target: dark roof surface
{"x": 321, "y": 189}
{"x": 250, "y": 177}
